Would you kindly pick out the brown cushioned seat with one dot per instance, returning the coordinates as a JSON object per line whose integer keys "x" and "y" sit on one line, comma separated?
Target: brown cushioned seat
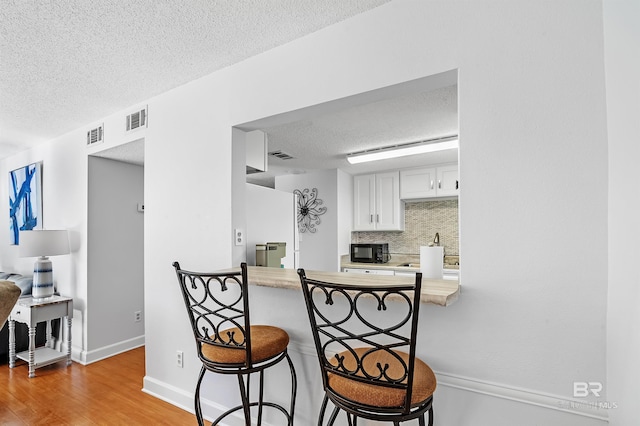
{"x": 266, "y": 342}
{"x": 424, "y": 381}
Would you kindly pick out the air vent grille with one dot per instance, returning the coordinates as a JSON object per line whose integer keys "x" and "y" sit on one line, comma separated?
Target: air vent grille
{"x": 95, "y": 135}
{"x": 281, "y": 155}
{"x": 137, "y": 120}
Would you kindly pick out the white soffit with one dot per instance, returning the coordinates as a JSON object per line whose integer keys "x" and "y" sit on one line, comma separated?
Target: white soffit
{"x": 131, "y": 152}
{"x": 68, "y": 63}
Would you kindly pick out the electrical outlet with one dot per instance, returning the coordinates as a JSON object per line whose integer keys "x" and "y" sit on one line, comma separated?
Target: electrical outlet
{"x": 180, "y": 359}
{"x": 137, "y": 316}
{"x": 238, "y": 237}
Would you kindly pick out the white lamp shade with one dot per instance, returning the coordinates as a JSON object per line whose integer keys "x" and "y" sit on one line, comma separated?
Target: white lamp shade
{"x": 43, "y": 243}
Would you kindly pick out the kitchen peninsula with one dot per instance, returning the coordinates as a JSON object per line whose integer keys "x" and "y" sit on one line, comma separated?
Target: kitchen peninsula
{"x": 437, "y": 292}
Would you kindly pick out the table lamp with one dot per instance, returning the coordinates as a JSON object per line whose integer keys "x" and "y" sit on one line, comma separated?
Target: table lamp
{"x": 42, "y": 244}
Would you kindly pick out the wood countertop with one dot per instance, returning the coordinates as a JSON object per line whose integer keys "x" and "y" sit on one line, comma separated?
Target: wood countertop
{"x": 437, "y": 292}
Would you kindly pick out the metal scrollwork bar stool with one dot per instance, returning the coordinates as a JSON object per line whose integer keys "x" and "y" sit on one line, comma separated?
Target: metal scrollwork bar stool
{"x": 227, "y": 343}
{"x": 365, "y": 338}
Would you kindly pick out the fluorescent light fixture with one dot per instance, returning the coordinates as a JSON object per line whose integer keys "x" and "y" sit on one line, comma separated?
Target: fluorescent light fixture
{"x": 401, "y": 150}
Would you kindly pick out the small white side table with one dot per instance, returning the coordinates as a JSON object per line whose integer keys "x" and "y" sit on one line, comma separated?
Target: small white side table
{"x": 31, "y": 311}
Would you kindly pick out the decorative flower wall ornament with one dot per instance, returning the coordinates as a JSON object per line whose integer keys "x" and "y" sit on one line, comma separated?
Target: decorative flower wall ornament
{"x": 309, "y": 209}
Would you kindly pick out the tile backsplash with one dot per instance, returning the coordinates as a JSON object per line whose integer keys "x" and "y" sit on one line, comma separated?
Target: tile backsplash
{"x": 422, "y": 221}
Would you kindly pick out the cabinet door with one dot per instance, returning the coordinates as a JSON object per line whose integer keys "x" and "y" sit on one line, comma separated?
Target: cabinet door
{"x": 364, "y": 203}
{"x": 417, "y": 183}
{"x": 447, "y": 181}
{"x": 389, "y": 208}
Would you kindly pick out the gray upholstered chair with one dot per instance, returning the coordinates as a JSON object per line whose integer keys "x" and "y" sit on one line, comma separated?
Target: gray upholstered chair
{"x": 9, "y": 294}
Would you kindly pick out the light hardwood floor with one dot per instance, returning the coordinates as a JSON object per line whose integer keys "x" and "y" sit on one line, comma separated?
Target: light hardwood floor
{"x": 105, "y": 392}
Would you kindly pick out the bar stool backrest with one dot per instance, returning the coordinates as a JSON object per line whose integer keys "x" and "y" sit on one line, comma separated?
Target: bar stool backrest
{"x": 218, "y": 308}
{"x": 367, "y": 334}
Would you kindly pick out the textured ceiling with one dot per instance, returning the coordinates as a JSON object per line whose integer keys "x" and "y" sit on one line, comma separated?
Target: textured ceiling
{"x": 323, "y": 141}
{"x": 67, "y": 63}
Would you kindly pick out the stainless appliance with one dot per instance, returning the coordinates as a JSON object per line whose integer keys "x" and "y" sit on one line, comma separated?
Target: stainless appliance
{"x": 370, "y": 253}
{"x": 270, "y": 254}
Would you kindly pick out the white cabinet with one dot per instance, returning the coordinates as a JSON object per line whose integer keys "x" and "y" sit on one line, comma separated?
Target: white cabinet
{"x": 369, "y": 271}
{"x": 256, "y": 151}
{"x": 429, "y": 182}
{"x": 447, "y": 180}
{"x": 377, "y": 205}
{"x": 418, "y": 183}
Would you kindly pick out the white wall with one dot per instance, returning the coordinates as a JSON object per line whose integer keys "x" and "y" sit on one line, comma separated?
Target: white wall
{"x": 270, "y": 218}
{"x": 318, "y": 250}
{"x": 115, "y": 257}
{"x": 238, "y": 183}
{"x": 345, "y": 212}
{"x": 64, "y": 189}
{"x": 531, "y": 88}
{"x": 622, "y": 65}
{"x": 533, "y": 157}
{"x": 65, "y": 206}
{"x": 188, "y": 218}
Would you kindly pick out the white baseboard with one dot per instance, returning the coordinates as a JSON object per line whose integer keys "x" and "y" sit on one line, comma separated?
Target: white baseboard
{"x": 542, "y": 400}
{"x": 526, "y": 396}
{"x": 184, "y": 400}
{"x": 168, "y": 393}
{"x": 87, "y": 357}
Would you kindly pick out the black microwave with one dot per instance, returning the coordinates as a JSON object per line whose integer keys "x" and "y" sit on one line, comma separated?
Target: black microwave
{"x": 370, "y": 253}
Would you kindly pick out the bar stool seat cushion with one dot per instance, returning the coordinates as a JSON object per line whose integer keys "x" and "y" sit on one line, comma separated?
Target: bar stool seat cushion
{"x": 266, "y": 342}
{"x": 424, "y": 381}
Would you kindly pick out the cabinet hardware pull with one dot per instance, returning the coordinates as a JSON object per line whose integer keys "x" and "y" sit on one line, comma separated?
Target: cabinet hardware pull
{"x": 456, "y": 184}
{"x": 377, "y": 218}
{"x": 431, "y": 184}
{"x": 439, "y": 184}
{"x": 371, "y": 219}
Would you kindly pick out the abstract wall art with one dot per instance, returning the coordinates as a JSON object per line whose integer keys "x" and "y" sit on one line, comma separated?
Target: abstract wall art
{"x": 25, "y": 200}
{"x": 309, "y": 209}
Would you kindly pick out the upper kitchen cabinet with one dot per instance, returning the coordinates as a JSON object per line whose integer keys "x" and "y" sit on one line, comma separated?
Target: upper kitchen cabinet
{"x": 377, "y": 205}
{"x": 429, "y": 182}
{"x": 256, "y": 152}
{"x": 447, "y": 180}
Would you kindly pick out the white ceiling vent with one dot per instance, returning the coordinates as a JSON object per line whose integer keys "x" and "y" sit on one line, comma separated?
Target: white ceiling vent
{"x": 137, "y": 120}
{"x": 281, "y": 155}
{"x": 95, "y": 135}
